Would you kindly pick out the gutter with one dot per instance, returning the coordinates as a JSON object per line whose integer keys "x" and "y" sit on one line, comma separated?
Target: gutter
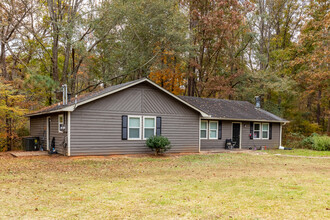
{"x": 240, "y": 119}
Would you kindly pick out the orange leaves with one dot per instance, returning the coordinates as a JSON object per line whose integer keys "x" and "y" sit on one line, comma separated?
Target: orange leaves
{"x": 168, "y": 73}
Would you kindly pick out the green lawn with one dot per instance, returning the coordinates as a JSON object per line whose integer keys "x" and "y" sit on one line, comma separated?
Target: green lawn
{"x": 238, "y": 186}
{"x": 301, "y": 152}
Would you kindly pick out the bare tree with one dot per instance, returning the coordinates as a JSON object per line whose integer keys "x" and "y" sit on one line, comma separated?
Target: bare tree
{"x": 12, "y": 15}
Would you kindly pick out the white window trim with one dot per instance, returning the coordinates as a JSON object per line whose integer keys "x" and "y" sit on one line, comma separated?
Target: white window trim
{"x": 207, "y": 126}
{"x": 146, "y": 117}
{"x": 217, "y": 130}
{"x": 140, "y": 128}
{"x": 262, "y": 130}
{"x": 59, "y": 127}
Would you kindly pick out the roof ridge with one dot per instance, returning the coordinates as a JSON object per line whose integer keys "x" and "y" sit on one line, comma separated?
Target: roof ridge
{"x": 71, "y": 102}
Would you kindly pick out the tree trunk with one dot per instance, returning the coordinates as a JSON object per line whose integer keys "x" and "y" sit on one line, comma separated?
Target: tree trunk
{"x": 318, "y": 108}
{"x": 191, "y": 86}
{"x": 55, "y": 57}
{"x": 7, "y": 121}
{"x": 66, "y": 63}
{"x": 3, "y": 60}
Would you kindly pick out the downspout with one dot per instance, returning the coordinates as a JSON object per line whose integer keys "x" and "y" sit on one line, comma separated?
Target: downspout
{"x": 199, "y": 136}
{"x": 281, "y": 132}
{"x": 69, "y": 133}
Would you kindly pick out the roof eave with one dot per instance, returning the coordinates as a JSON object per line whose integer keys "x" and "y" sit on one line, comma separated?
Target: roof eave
{"x": 241, "y": 119}
{"x": 66, "y": 109}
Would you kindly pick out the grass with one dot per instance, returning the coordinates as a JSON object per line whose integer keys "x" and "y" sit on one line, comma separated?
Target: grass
{"x": 224, "y": 186}
{"x": 301, "y": 152}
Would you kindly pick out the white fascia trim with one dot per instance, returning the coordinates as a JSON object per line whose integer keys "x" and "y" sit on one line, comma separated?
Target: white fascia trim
{"x": 238, "y": 119}
{"x": 177, "y": 98}
{"x": 72, "y": 107}
{"x": 69, "y": 133}
{"x": 133, "y": 84}
{"x": 106, "y": 94}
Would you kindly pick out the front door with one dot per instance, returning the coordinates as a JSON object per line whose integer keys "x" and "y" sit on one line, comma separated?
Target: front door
{"x": 237, "y": 134}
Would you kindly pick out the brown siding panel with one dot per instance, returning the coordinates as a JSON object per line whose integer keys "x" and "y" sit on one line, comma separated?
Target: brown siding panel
{"x": 96, "y": 127}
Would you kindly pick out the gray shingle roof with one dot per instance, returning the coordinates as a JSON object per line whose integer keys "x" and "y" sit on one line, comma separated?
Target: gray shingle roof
{"x": 215, "y": 108}
{"x": 82, "y": 98}
{"x": 230, "y": 109}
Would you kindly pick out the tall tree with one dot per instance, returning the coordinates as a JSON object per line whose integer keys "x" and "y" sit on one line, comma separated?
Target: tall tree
{"x": 217, "y": 32}
{"x": 312, "y": 62}
{"x": 12, "y": 16}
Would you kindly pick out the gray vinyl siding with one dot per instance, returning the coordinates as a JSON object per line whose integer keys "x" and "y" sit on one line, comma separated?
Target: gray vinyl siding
{"x": 38, "y": 129}
{"x": 273, "y": 143}
{"x": 38, "y": 126}
{"x": 59, "y": 137}
{"x": 215, "y": 144}
{"x": 246, "y": 142}
{"x": 96, "y": 126}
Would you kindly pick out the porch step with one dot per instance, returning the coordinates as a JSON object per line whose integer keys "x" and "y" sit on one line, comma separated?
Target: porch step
{"x": 28, "y": 153}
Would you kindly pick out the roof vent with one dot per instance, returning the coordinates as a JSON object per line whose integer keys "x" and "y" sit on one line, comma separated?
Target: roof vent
{"x": 258, "y": 105}
{"x": 65, "y": 94}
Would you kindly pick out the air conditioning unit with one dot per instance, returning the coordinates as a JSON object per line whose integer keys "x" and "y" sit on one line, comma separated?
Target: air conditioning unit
{"x": 31, "y": 143}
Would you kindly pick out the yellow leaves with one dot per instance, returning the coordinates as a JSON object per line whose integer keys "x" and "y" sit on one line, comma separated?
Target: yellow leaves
{"x": 12, "y": 108}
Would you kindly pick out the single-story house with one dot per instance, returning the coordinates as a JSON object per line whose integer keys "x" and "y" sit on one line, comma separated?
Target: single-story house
{"x": 118, "y": 120}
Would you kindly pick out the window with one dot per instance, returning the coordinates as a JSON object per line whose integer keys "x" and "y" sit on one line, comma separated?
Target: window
{"x": 134, "y": 127}
{"x": 203, "y": 133}
{"x": 213, "y": 132}
{"x": 261, "y": 131}
{"x": 149, "y": 126}
{"x": 265, "y": 130}
{"x": 61, "y": 126}
{"x": 256, "y": 131}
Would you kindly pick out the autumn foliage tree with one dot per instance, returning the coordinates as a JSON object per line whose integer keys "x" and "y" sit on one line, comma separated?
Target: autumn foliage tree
{"x": 312, "y": 63}
{"x": 169, "y": 73}
{"x": 219, "y": 37}
{"x": 12, "y": 122}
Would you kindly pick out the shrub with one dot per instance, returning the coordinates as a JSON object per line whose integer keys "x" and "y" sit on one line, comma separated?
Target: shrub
{"x": 295, "y": 140}
{"x": 308, "y": 141}
{"x": 321, "y": 143}
{"x": 159, "y": 144}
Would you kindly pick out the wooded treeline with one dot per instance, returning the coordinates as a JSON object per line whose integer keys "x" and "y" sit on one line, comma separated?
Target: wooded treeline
{"x": 233, "y": 49}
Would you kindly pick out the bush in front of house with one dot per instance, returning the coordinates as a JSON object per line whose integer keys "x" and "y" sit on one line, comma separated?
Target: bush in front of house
{"x": 321, "y": 143}
{"x": 308, "y": 142}
{"x": 159, "y": 144}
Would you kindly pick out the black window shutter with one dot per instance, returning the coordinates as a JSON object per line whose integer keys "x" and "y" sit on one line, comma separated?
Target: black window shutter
{"x": 124, "y": 123}
{"x": 270, "y": 131}
{"x": 159, "y": 126}
{"x": 220, "y": 130}
{"x": 251, "y": 130}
